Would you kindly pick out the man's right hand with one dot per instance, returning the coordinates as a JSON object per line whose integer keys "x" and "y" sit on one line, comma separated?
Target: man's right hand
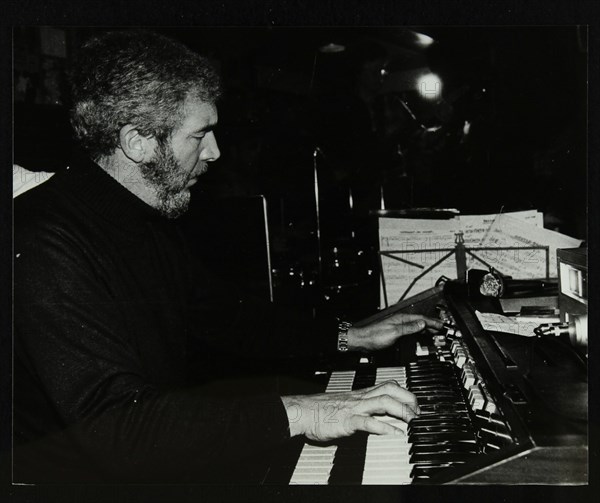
{"x": 327, "y": 416}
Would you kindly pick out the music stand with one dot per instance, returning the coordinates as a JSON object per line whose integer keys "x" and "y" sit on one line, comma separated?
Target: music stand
{"x": 460, "y": 251}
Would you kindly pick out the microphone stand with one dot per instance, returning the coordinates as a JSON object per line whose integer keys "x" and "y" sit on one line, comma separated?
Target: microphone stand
{"x": 317, "y": 151}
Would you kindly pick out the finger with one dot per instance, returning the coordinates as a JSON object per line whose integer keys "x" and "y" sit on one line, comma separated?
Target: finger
{"x": 409, "y": 327}
{"x": 433, "y": 322}
{"x": 385, "y": 404}
{"x": 429, "y": 322}
{"x": 373, "y": 426}
{"x": 393, "y": 389}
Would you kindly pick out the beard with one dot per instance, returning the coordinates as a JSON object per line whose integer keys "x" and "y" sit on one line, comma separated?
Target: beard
{"x": 165, "y": 174}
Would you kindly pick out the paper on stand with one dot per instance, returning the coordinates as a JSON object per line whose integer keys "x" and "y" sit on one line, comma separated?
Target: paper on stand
{"x": 508, "y": 324}
{"x": 413, "y": 237}
{"x": 507, "y": 231}
{"x": 417, "y": 244}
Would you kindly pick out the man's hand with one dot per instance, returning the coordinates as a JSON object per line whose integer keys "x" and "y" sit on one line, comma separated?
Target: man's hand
{"x": 384, "y": 333}
{"x": 327, "y": 416}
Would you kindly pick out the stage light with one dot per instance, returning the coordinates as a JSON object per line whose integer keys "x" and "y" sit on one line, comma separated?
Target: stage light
{"x": 424, "y": 40}
{"x": 466, "y": 128}
{"x": 332, "y": 48}
{"x": 429, "y": 86}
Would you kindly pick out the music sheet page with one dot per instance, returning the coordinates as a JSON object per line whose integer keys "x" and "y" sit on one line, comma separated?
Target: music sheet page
{"x": 409, "y": 247}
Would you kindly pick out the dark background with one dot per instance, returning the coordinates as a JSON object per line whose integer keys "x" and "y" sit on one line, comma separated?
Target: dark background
{"x": 506, "y": 132}
{"x": 279, "y": 13}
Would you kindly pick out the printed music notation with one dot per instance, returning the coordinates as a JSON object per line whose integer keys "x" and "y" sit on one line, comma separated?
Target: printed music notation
{"x": 408, "y": 247}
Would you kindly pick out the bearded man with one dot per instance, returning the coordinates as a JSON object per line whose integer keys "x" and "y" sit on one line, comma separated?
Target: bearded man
{"x": 113, "y": 324}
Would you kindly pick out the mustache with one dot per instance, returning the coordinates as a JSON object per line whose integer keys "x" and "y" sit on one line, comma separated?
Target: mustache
{"x": 200, "y": 171}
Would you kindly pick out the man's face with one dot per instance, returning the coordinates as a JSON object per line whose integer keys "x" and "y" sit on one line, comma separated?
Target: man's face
{"x": 177, "y": 165}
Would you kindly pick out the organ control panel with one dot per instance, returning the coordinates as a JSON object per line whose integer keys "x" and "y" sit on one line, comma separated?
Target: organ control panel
{"x": 496, "y": 408}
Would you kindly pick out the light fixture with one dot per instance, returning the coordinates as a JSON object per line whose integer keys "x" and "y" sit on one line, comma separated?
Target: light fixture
{"x": 332, "y": 48}
{"x": 423, "y": 40}
{"x": 429, "y": 86}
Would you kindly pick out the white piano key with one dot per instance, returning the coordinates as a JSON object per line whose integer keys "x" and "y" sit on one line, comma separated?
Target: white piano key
{"x": 308, "y": 469}
{"x": 381, "y": 479}
{"x": 386, "y": 456}
{"x": 309, "y": 479}
{"x": 315, "y": 462}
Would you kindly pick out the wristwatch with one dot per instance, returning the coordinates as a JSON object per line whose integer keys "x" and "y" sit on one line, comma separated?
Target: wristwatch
{"x": 342, "y": 343}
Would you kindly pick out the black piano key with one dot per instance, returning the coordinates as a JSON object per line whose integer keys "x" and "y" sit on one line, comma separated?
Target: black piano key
{"x": 430, "y": 371}
{"x": 462, "y": 416}
{"x": 444, "y": 447}
{"x": 438, "y": 374}
{"x": 435, "y": 388}
{"x": 428, "y": 361}
{"x": 349, "y": 461}
{"x": 441, "y": 429}
{"x": 435, "y": 427}
{"x": 446, "y": 370}
{"x": 441, "y": 437}
{"x": 436, "y": 458}
{"x": 443, "y": 407}
{"x": 432, "y": 384}
{"x": 432, "y": 438}
{"x": 364, "y": 379}
{"x": 432, "y": 420}
{"x": 432, "y": 387}
{"x": 447, "y": 380}
{"x": 437, "y": 408}
{"x": 431, "y": 364}
{"x": 426, "y": 472}
{"x": 433, "y": 399}
{"x": 434, "y": 392}
{"x": 442, "y": 399}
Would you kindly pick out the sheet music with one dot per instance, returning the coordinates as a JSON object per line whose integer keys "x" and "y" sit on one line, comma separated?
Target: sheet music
{"x": 437, "y": 237}
{"x": 412, "y": 236}
{"x": 521, "y": 264}
{"x": 508, "y": 324}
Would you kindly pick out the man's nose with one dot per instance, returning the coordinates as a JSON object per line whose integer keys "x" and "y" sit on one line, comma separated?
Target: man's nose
{"x": 210, "y": 148}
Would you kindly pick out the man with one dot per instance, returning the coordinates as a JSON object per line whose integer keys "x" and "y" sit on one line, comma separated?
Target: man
{"x": 114, "y": 327}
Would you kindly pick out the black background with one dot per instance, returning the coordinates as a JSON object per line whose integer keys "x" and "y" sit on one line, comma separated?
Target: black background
{"x": 295, "y": 13}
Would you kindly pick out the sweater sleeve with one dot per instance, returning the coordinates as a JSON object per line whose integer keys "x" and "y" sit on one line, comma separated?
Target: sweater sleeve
{"x": 71, "y": 339}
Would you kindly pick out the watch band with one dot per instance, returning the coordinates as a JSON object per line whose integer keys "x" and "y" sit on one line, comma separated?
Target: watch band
{"x": 342, "y": 342}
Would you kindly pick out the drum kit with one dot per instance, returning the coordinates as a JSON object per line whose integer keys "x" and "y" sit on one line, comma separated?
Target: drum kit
{"x": 342, "y": 271}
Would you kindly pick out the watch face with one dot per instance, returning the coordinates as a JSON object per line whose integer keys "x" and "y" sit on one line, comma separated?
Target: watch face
{"x": 491, "y": 285}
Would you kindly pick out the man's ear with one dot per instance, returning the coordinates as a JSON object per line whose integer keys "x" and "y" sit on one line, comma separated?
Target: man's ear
{"x": 136, "y": 146}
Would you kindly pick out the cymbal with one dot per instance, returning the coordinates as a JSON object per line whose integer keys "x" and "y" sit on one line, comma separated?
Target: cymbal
{"x": 434, "y": 213}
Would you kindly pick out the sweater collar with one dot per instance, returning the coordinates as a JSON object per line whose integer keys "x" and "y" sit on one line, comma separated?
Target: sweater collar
{"x": 93, "y": 186}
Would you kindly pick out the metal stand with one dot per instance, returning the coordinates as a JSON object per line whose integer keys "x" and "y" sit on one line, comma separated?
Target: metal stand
{"x": 460, "y": 251}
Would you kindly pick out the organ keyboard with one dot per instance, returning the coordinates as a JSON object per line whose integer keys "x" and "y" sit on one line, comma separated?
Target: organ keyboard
{"x": 495, "y": 408}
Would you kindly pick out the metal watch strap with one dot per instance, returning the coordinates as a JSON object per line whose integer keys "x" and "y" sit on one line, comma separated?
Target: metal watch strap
{"x": 342, "y": 342}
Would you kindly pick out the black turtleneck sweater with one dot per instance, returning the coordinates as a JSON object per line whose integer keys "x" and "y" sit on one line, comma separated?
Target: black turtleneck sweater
{"x": 113, "y": 326}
